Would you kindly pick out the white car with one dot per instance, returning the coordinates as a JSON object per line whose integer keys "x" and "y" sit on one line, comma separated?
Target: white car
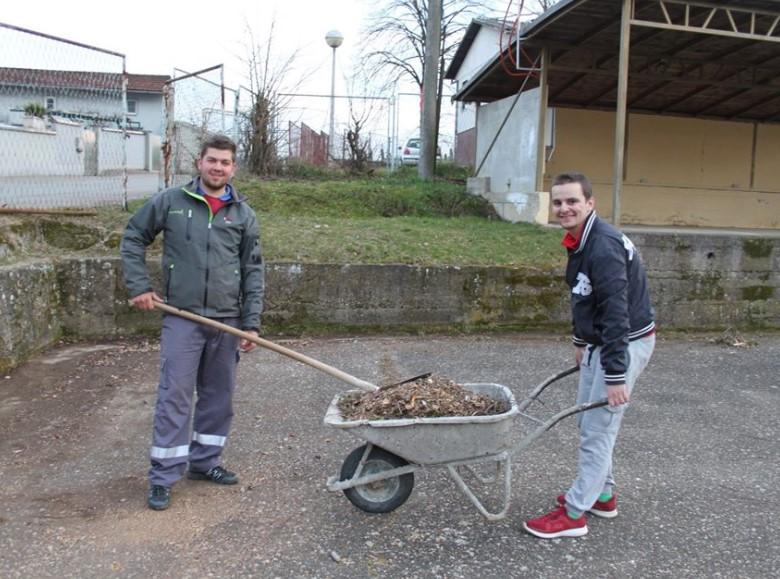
{"x": 410, "y": 154}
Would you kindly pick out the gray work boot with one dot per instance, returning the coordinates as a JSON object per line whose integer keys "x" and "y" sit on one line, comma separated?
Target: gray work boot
{"x": 159, "y": 497}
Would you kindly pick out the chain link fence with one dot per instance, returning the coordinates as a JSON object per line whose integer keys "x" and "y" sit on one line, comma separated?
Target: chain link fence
{"x": 307, "y": 118}
{"x": 307, "y": 145}
{"x": 63, "y": 130}
{"x": 197, "y": 105}
{"x": 77, "y": 131}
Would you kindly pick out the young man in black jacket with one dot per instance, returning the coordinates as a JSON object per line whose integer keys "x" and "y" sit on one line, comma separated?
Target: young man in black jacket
{"x": 614, "y": 338}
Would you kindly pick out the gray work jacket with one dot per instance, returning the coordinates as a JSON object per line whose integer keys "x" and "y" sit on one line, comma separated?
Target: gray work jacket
{"x": 212, "y": 264}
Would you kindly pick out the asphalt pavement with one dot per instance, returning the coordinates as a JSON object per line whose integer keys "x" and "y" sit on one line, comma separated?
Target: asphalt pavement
{"x": 697, "y": 465}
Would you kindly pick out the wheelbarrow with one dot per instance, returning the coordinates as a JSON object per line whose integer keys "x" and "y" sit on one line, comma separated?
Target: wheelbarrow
{"x": 378, "y": 477}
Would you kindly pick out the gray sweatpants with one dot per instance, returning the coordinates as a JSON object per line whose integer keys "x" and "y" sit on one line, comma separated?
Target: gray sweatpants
{"x": 193, "y": 357}
{"x": 599, "y": 427}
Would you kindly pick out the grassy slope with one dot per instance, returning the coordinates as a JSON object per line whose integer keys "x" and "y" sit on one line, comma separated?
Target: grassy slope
{"x": 325, "y": 217}
{"x": 391, "y": 219}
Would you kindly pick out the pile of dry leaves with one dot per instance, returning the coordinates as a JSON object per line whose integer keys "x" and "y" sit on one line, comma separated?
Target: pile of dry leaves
{"x": 431, "y": 397}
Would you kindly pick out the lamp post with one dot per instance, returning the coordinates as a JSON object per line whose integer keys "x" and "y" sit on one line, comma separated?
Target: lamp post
{"x": 334, "y": 38}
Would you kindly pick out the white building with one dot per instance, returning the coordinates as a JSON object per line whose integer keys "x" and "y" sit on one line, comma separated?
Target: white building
{"x": 481, "y": 43}
{"x": 94, "y": 98}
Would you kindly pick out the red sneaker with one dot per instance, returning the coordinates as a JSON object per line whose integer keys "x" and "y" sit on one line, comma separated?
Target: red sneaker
{"x": 556, "y": 524}
{"x": 603, "y": 509}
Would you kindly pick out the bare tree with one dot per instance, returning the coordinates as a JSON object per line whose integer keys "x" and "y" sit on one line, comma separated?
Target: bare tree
{"x": 398, "y": 28}
{"x": 359, "y": 154}
{"x": 534, "y": 8}
{"x": 363, "y": 111}
{"x": 268, "y": 76}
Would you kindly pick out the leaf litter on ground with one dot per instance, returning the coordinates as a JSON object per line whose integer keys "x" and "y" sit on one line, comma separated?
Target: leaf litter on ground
{"x": 732, "y": 338}
{"x": 431, "y": 397}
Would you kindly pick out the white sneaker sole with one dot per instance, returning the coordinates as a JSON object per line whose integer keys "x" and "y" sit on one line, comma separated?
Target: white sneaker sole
{"x": 604, "y": 514}
{"x": 568, "y": 533}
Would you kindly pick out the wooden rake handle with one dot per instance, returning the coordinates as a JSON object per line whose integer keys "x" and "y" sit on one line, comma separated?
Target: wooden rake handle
{"x": 322, "y": 367}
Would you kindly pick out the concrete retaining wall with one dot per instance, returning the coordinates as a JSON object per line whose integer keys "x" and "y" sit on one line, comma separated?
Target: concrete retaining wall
{"x": 701, "y": 281}
{"x": 696, "y": 282}
{"x": 29, "y": 311}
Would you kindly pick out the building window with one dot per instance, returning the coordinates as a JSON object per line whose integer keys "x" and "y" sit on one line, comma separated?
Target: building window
{"x": 50, "y": 103}
{"x": 132, "y": 107}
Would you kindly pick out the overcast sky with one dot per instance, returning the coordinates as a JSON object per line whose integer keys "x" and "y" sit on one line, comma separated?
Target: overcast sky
{"x": 158, "y": 36}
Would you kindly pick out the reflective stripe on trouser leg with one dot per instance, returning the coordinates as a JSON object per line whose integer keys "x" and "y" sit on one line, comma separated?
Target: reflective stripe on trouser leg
{"x": 599, "y": 427}
{"x": 214, "y": 408}
{"x": 181, "y": 346}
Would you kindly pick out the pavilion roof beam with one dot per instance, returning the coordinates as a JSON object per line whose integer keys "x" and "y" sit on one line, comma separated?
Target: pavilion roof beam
{"x": 671, "y": 54}
{"x": 755, "y": 104}
{"x": 666, "y": 77}
{"x": 772, "y": 19}
{"x": 691, "y": 93}
{"x": 774, "y": 117}
{"x": 735, "y": 94}
{"x": 607, "y": 57}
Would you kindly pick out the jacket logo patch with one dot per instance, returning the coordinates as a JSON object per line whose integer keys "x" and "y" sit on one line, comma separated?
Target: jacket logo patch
{"x": 630, "y": 247}
{"x": 583, "y": 286}
{"x": 176, "y": 212}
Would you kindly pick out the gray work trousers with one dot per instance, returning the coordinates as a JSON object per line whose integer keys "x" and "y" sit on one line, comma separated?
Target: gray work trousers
{"x": 599, "y": 427}
{"x": 193, "y": 358}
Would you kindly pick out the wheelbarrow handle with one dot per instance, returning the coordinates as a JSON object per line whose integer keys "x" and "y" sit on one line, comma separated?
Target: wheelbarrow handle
{"x": 574, "y": 410}
{"x": 540, "y": 388}
{"x": 335, "y": 372}
{"x": 553, "y": 420}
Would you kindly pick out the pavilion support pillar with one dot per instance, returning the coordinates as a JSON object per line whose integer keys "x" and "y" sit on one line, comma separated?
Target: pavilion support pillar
{"x": 621, "y": 112}
{"x": 541, "y": 148}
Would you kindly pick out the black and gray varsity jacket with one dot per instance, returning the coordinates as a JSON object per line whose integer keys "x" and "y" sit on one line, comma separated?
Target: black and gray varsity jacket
{"x": 610, "y": 302}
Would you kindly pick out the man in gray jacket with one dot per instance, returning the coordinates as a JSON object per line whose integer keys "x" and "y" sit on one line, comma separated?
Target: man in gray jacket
{"x": 213, "y": 267}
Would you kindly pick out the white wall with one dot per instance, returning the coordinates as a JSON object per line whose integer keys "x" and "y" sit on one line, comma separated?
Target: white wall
{"x": 511, "y": 163}
{"x": 466, "y": 117}
{"x": 149, "y": 112}
{"x": 70, "y": 102}
{"x": 482, "y": 50}
{"x": 136, "y": 151}
{"x": 149, "y": 106}
{"x": 53, "y": 152}
{"x": 110, "y": 157}
{"x": 61, "y": 150}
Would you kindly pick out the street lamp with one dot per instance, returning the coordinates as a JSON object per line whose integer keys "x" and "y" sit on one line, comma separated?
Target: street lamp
{"x": 334, "y": 38}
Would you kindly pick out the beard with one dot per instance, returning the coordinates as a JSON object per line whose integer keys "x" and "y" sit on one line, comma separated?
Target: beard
{"x": 213, "y": 182}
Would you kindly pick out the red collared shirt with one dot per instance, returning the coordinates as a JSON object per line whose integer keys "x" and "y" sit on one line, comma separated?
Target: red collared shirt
{"x": 216, "y": 203}
{"x": 571, "y": 242}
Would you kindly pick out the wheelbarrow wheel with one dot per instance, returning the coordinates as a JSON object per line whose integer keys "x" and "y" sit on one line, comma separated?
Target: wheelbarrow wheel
{"x": 381, "y": 496}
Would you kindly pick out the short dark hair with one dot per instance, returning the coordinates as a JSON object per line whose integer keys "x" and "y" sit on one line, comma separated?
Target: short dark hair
{"x": 220, "y": 142}
{"x": 573, "y": 177}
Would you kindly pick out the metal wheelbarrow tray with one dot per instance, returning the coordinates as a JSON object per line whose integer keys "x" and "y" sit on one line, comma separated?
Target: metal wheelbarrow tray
{"x": 378, "y": 477}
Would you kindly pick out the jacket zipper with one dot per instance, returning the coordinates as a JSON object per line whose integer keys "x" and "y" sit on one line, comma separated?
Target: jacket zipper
{"x": 168, "y": 285}
{"x": 208, "y": 249}
{"x": 208, "y": 243}
{"x": 189, "y": 223}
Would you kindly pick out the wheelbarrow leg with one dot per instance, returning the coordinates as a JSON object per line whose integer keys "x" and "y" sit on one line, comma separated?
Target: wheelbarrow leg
{"x": 504, "y": 461}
